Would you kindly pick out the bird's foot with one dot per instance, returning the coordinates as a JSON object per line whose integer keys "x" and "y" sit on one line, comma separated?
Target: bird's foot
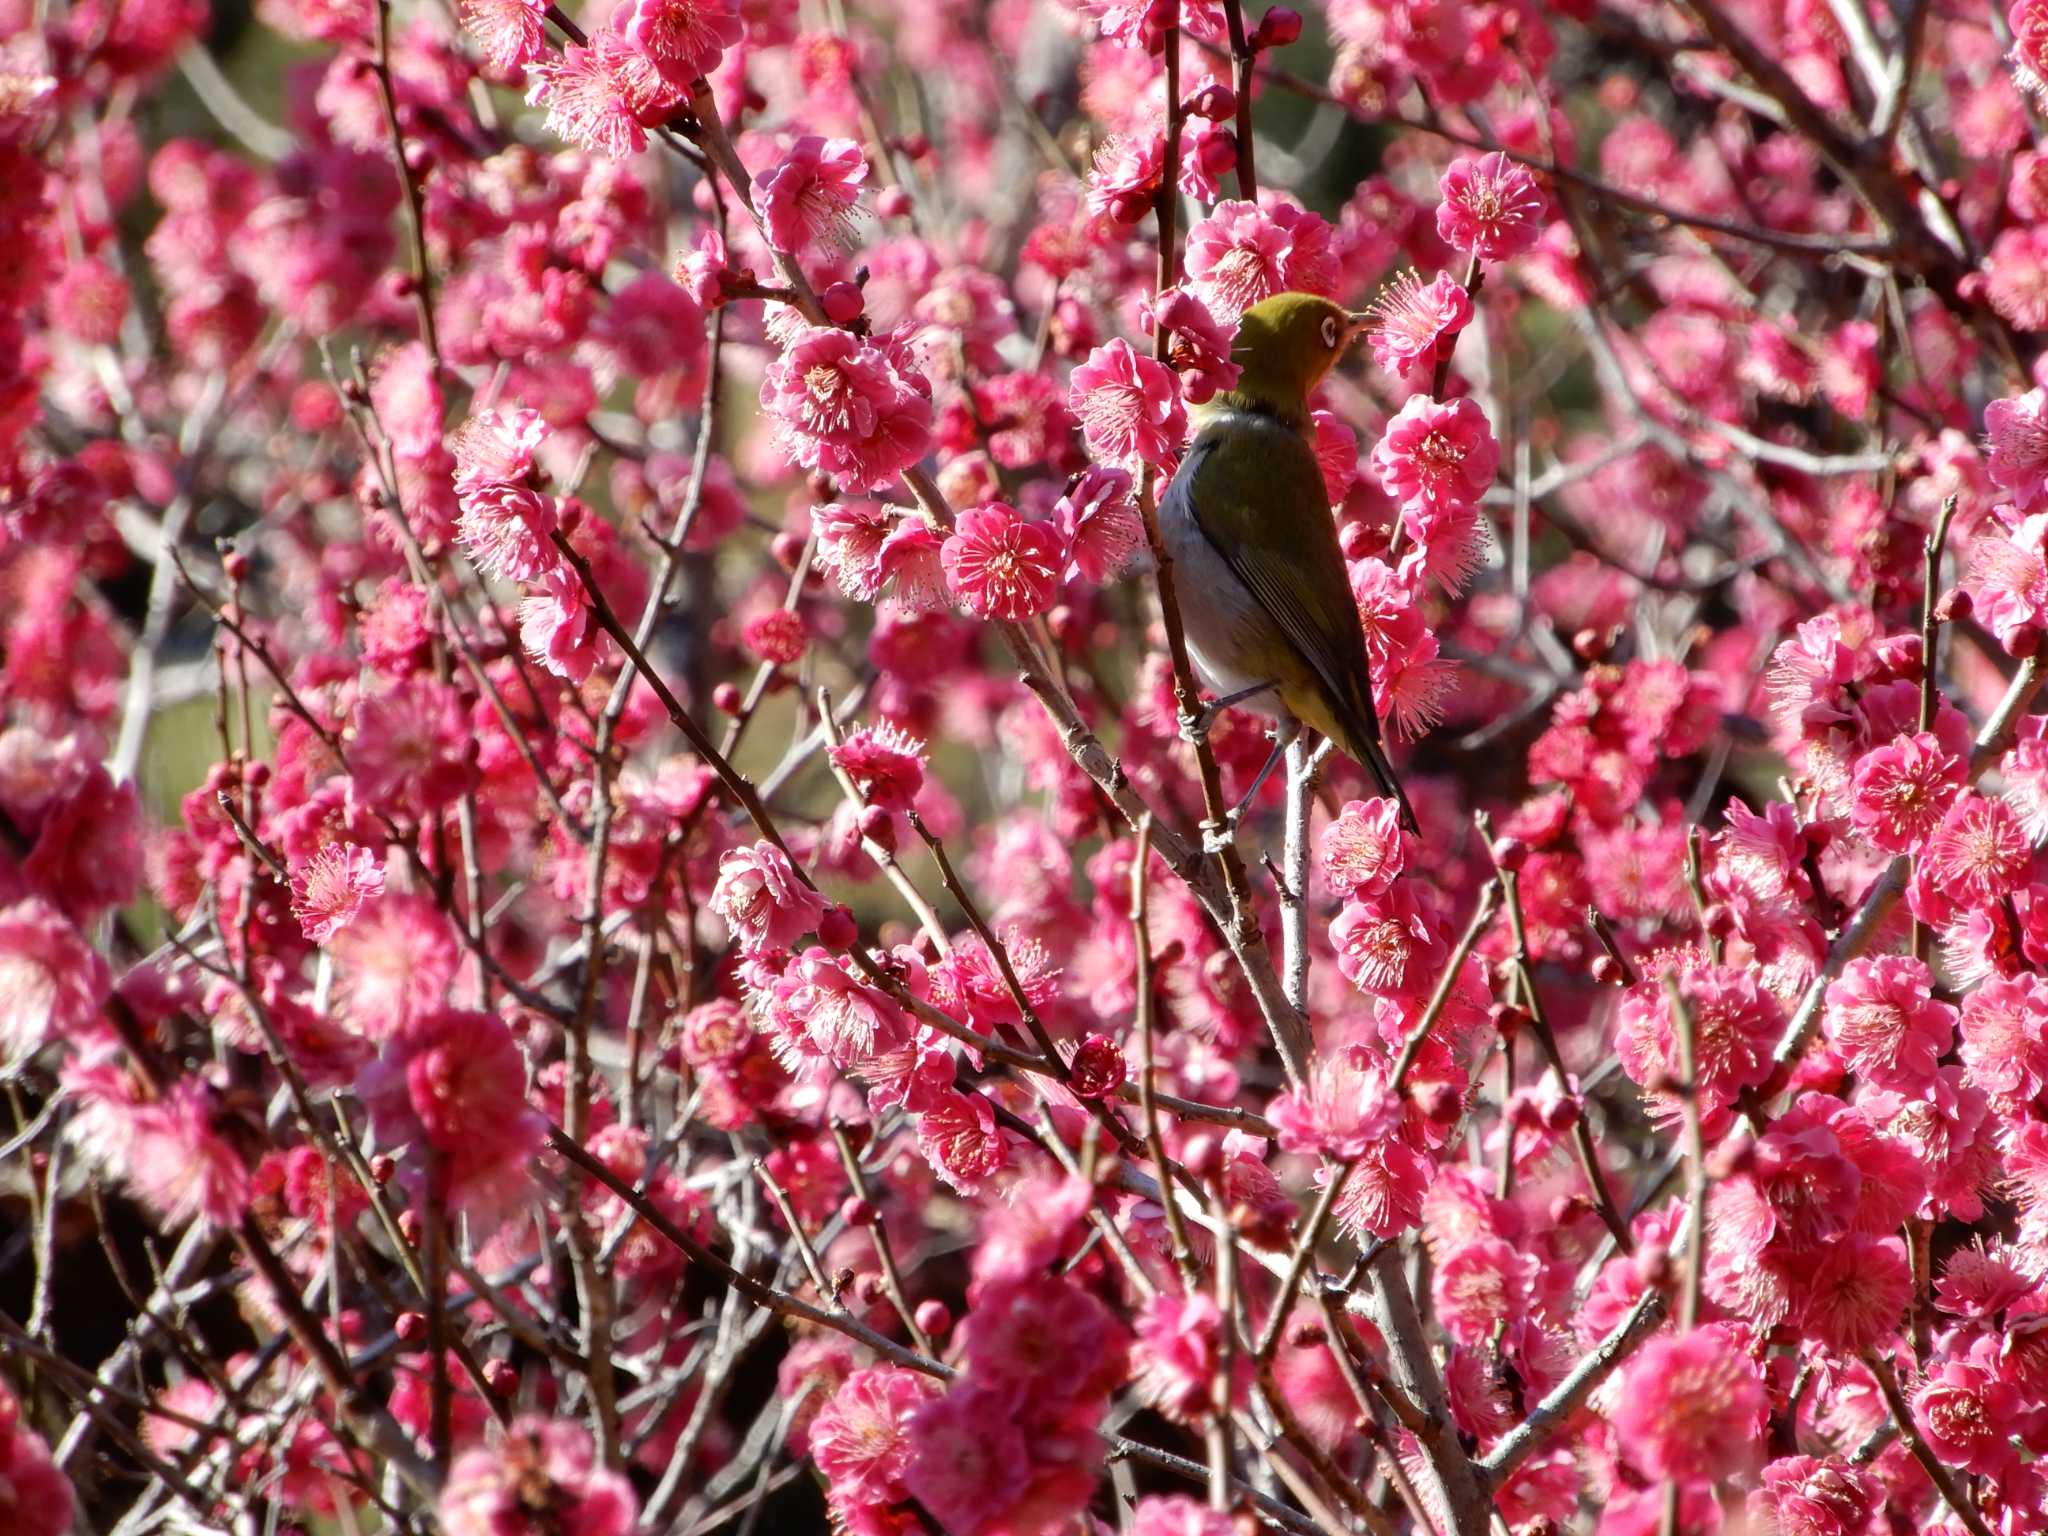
{"x": 1196, "y": 726}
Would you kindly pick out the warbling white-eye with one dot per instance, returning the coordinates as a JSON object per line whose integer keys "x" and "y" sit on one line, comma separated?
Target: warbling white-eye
{"x": 1264, "y": 597}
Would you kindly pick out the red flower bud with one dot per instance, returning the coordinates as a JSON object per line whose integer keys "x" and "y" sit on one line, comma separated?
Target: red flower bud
{"x": 857, "y": 1212}
{"x": 1215, "y": 101}
{"x": 725, "y": 698}
{"x": 837, "y": 929}
{"x": 1217, "y": 152}
{"x": 933, "y": 1320}
{"x": 1607, "y": 971}
{"x": 500, "y": 1377}
{"x": 878, "y": 827}
{"x": 1510, "y": 853}
{"x": 1276, "y": 29}
{"x": 1097, "y": 1069}
{"x": 410, "y": 1327}
{"x": 1129, "y": 207}
{"x": 842, "y": 303}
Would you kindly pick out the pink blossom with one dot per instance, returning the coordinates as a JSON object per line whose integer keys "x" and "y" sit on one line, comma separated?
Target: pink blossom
{"x": 1856, "y": 1293}
{"x": 52, "y": 984}
{"x": 1341, "y": 1111}
{"x": 2007, "y": 579}
{"x": 1046, "y": 1340}
{"x": 33, "y": 1489}
{"x": 1900, "y": 791}
{"x": 1197, "y": 345}
{"x": 1820, "y": 1498}
{"x": 1413, "y": 320}
{"x": 542, "y": 1478}
{"x": 860, "y": 1438}
{"x": 841, "y": 408}
{"x": 1176, "y": 1354}
{"x": 958, "y": 1134}
{"x": 1881, "y": 1016}
{"x": 2016, "y": 447}
{"x": 511, "y": 33}
{"x": 331, "y": 887}
{"x": 968, "y": 1458}
{"x": 809, "y": 197}
{"x": 2016, "y": 276}
{"x": 1242, "y": 253}
{"x": 2005, "y": 1035}
{"x": 599, "y": 97}
{"x": 495, "y": 447}
{"x": 507, "y": 529}
{"x": 1365, "y": 849}
{"x": 1978, "y": 852}
{"x": 406, "y": 756}
{"x": 1736, "y": 1025}
{"x": 885, "y": 764}
{"x": 1129, "y": 406}
{"x": 1439, "y": 452}
{"x": 451, "y": 1086}
{"x": 684, "y": 38}
{"x": 1689, "y": 1407}
{"x": 1000, "y": 566}
{"x": 1386, "y": 945}
{"x": 179, "y": 1164}
{"x": 1492, "y": 207}
{"x": 1104, "y": 535}
{"x": 1124, "y": 177}
{"x": 762, "y": 898}
{"x": 1966, "y": 1414}
{"x": 558, "y": 627}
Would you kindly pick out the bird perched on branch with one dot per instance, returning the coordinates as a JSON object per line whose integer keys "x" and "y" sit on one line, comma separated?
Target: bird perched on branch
{"x": 1265, "y": 600}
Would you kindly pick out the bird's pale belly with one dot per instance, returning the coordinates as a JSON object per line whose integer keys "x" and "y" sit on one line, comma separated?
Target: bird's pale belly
{"x": 1229, "y": 635}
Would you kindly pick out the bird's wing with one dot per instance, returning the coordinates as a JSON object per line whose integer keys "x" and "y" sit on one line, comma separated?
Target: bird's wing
{"x": 1261, "y": 502}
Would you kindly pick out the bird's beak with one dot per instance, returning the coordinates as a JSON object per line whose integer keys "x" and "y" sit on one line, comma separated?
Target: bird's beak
{"x": 1360, "y": 323}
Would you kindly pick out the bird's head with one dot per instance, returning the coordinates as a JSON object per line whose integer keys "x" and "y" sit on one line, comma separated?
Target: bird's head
{"x": 1285, "y": 345}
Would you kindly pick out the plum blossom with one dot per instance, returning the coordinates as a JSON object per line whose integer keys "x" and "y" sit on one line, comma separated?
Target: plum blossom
{"x": 542, "y": 1476}
{"x": 1689, "y": 1406}
{"x": 763, "y": 899}
{"x": 33, "y": 1488}
{"x": 809, "y": 197}
{"x": 1882, "y": 1017}
{"x": 52, "y": 983}
{"x": 1412, "y": 320}
{"x": 1492, "y": 207}
{"x": 1129, "y": 406}
{"x": 451, "y": 1086}
{"x": 1441, "y": 453}
{"x": 842, "y": 408}
{"x": 511, "y": 33}
{"x": 1001, "y": 566}
{"x": 1343, "y": 1110}
{"x": 683, "y": 38}
{"x": 1243, "y": 252}
{"x": 1105, "y": 537}
{"x": 329, "y": 889}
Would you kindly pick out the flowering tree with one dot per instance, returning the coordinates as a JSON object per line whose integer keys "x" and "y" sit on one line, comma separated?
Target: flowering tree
{"x": 619, "y": 911}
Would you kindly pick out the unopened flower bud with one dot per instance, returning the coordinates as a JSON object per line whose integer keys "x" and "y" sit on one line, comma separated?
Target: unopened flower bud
{"x": 725, "y": 698}
{"x": 1508, "y": 1018}
{"x": 915, "y": 145}
{"x": 892, "y": 202}
{"x": 1589, "y": 644}
{"x": 1276, "y": 29}
{"x": 420, "y": 158}
{"x": 236, "y": 564}
{"x": 878, "y": 827}
{"x": 257, "y": 774}
{"x": 933, "y": 1320}
{"x": 1718, "y": 918}
{"x": 1653, "y": 1264}
{"x": 856, "y": 1212}
{"x": 2024, "y": 643}
{"x": 410, "y": 1327}
{"x": 1954, "y": 606}
{"x": 1561, "y": 1114}
{"x": 837, "y": 929}
{"x": 1510, "y": 853}
{"x": 382, "y": 1168}
{"x": 842, "y": 303}
{"x": 1215, "y": 101}
{"x": 1129, "y": 207}
{"x": 1357, "y": 541}
{"x": 500, "y": 1377}
{"x": 1097, "y": 1069}
{"x": 410, "y": 1226}
{"x": 787, "y": 549}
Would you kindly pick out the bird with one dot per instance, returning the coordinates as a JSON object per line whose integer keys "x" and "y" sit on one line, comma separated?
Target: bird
{"x": 1265, "y": 600}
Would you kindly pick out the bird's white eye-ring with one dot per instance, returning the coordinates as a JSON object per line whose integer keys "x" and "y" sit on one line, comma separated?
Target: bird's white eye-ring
{"x": 1329, "y": 330}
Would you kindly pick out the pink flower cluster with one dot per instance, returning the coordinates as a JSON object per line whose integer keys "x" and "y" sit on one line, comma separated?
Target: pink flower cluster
{"x": 602, "y": 839}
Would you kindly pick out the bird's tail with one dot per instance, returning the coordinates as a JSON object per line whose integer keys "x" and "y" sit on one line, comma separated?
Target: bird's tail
{"x": 1358, "y": 737}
